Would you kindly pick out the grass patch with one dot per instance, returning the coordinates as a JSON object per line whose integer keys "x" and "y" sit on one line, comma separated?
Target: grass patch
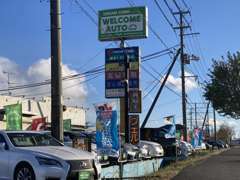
{"x": 174, "y": 168}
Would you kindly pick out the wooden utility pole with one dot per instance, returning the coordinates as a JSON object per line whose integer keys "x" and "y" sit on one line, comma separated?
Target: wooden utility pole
{"x": 182, "y": 27}
{"x": 56, "y": 72}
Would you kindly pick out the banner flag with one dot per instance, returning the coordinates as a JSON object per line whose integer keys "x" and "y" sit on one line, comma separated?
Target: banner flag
{"x": 172, "y": 130}
{"x": 67, "y": 124}
{"x": 14, "y": 117}
{"x": 107, "y": 137}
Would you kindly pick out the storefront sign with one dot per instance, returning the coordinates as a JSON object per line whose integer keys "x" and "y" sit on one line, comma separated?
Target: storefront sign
{"x": 115, "y": 70}
{"x": 123, "y": 23}
{"x": 134, "y": 129}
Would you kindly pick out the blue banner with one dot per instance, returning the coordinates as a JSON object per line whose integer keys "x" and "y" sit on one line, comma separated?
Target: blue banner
{"x": 171, "y": 132}
{"x": 107, "y": 138}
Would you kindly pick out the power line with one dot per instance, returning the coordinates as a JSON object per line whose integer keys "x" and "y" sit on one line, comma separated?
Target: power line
{"x": 164, "y": 15}
{"x": 85, "y": 12}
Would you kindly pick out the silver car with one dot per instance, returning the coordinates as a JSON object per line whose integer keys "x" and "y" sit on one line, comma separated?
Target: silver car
{"x": 154, "y": 149}
{"x": 38, "y": 156}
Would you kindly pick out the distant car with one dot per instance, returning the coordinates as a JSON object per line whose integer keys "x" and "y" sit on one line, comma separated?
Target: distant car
{"x": 38, "y": 156}
{"x": 201, "y": 147}
{"x": 185, "y": 148}
{"x": 223, "y": 143}
{"x": 155, "y": 149}
{"x": 215, "y": 144}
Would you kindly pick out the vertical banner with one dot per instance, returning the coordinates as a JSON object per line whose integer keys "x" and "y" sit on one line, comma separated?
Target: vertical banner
{"x": 14, "y": 117}
{"x": 107, "y": 137}
{"x": 172, "y": 131}
{"x": 134, "y": 129}
{"x": 67, "y": 124}
{"x": 38, "y": 124}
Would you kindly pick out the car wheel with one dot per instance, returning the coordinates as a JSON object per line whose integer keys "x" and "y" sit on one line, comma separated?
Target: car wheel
{"x": 24, "y": 172}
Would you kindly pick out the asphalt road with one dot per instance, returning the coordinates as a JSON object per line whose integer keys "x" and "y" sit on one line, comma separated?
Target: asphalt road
{"x": 225, "y": 166}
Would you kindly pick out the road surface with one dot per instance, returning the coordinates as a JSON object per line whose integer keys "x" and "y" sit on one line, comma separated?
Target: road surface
{"x": 225, "y": 166}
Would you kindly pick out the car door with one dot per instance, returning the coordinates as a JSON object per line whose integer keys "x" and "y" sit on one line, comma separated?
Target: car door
{"x": 4, "y": 161}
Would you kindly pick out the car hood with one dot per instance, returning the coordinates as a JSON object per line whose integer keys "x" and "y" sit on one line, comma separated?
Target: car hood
{"x": 62, "y": 152}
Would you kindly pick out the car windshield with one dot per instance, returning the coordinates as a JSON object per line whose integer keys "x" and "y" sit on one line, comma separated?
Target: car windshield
{"x": 32, "y": 139}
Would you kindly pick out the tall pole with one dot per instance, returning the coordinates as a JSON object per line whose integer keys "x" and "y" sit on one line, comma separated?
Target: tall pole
{"x": 215, "y": 126}
{"x": 183, "y": 78}
{"x": 124, "y": 105}
{"x": 191, "y": 118}
{"x": 195, "y": 109}
{"x": 56, "y": 72}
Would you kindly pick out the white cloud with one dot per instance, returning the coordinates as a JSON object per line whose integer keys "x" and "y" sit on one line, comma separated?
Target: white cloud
{"x": 176, "y": 82}
{"x": 73, "y": 89}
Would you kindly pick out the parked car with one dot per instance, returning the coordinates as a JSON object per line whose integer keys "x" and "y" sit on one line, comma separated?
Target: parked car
{"x": 186, "y": 148}
{"x": 133, "y": 152}
{"x": 208, "y": 146}
{"x": 154, "y": 149}
{"x": 144, "y": 152}
{"x": 215, "y": 144}
{"x": 223, "y": 143}
{"x": 37, "y": 155}
{"x": 201, "y": 147}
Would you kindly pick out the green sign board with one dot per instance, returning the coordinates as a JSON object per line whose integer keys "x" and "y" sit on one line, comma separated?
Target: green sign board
{"x": 67, "y": 125}
{"x": 84, "y": 175}
{"x": 14, "y": 117}
{"x": 123, "y": 23}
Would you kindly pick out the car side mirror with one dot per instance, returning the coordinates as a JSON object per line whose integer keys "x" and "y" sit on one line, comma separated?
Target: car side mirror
{"x": 2, "y": 146}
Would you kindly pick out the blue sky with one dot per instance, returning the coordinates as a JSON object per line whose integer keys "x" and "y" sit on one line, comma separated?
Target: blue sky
{"x": 25, "y": 39}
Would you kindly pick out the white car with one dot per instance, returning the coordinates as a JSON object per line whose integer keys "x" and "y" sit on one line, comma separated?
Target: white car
{"x": 31, "y": 155}
{"x": 154, "y": 149}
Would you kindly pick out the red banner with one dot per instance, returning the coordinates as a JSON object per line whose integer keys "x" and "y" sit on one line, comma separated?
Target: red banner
{"x": 38, "y": 124}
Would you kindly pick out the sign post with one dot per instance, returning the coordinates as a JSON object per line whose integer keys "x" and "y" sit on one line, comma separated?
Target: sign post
{"x": 122, "y": 64}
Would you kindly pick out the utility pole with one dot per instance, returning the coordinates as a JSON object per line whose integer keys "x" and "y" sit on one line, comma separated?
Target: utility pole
{"x": 8, "y": 80}
{"x": 56, "y": 70}
{"x": 182, "y": 27}
{"x": 191, "y": 118}
{"x": 195, "y": 109}
{"x": 215, "y": 127}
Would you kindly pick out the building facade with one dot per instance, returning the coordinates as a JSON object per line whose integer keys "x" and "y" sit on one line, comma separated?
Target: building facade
{"x": 32, "y": 109}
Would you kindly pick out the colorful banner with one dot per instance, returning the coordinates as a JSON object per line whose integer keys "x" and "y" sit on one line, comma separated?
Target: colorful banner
{"x": 115, "y": 70}
{"x": 195, "y": 137}
{"x": 172, "y": 131}
{"x": 14, "y": 117}
{"x": 38, "y": 124}
{"x": 67, "y": 124}
{"x": 107, "y": 138}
